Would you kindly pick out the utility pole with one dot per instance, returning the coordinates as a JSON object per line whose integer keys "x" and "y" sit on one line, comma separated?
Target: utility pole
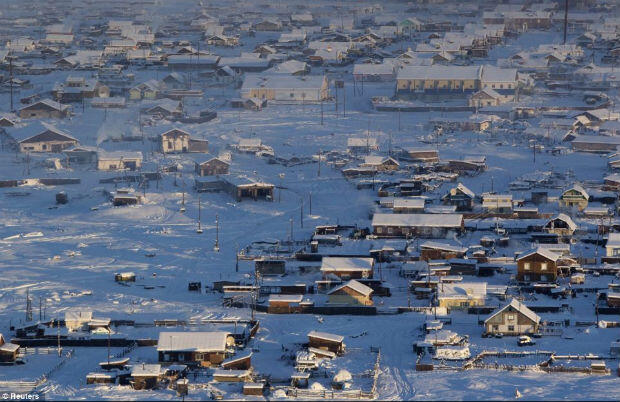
{"x": 11, "y": 80}
{"x": 236, "y": 257}
{"x": 301, "y": 213}
{"x": 319, "y": 172}
{"x": 565, "y": 19}
{"x": 399, "y": 119}
{"x": 344, "y": 99}
{"x": 216, "y": 248}
{"x": 28, "y": 306}
{"x": 291, "y": 236}
{"x": 310, "y": 207}
{"x": 321, "y": 111}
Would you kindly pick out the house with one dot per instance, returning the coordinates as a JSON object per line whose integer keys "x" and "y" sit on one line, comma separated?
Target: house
{"x": 76, "y": 320}
{"x": 166, "y": 108}
{"x": 146, "y": 376}
{"x": 595, "y": 143}
{"x": 361, "y": 145}
{"x": 348, "y": 267}
{"x": 380, "y": 163}
{"x": 119, "y": 160}
{"x": 204, "y": 349}
{"x": 268, "y": 266}
{"x": 177, "y": 140}
{"x": 268, "y": 25}
{"x": 497, "y": 203}
{"x": 461, "y": 294}
{"x": 45, "y": 109}
{"x": 289, "y": 88}
{"x": 537, "y": 265}
{"x": 374, "y": 72}
{"x": 81, "y": 154}
{"x": 425, "y": 155}
{"x": 502, "y": 82}
{"x": 461, "y": 197}
{"x": 512, "y": 319}
{"x": 211, "y": 166}
{"x": 561, "y": 225}
{"x": 241, "y": 187}
{"x": 42, "y": 137}
{"x": 174, "y": 81}
{"x": 283, "y": 304}
{"x": 243, "y": 376}
{"x": 291, "y": 67}
{"x": 575, "y": 197}
{"x": 326, "y": 341}
{"x": 242, "y": 361}
{"x": 76, "y": 89}
{"x": 250, "y": 145}
{"x": 432, "y": 250}
{"x": 146, "y": 90}
{"x": 408, "y": 205}
{"x": 352, "y": 293}
{"x": 612, "y": 247}
{"x": 485, "y": 97}
{"x": 438, "y": 79}
{"x": 421, "y": 225}
{"x": 8, "y": 351}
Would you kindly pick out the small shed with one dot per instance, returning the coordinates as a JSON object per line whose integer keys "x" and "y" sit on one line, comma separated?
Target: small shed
{"x": 326, "y": 341}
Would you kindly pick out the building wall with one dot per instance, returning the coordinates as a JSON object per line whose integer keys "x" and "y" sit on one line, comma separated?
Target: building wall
{"x": 535, "y": 270}
{"x": 460, "y": 303}
{"x": 46, "y": 146}
{"x": 116, "y": 164}
{"x": 349, "y": 298}
{"x": 41, "y": 114}
{"x": 175, "y": 143}
{"x": 519, "y": 324}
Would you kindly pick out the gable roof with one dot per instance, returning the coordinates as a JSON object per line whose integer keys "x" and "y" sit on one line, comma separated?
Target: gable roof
{"x": 326, "y": 336}
{"x": 548, "y": 254}
{"x": 47, "y": 103}
{"x": 563, "y": 217}
{"x": 519, "y": 307}
{"x": 346, "y": 263}
{"x": 355, "y": 286}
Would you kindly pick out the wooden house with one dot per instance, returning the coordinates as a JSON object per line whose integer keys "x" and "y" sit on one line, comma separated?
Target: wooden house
{"x": 267, "y": 266}
{"x": 220, "y": 375}
{"x": 575, "y": 197}
{"x": 76, "y": 320}
{"x": 485, "y": 97}
{"x": 8, "y": 351}
{"x": 561, "y": 225}
{"x": 146, "y": 376}
{"x": 45, "y": 109}
{"x": 380, "y": 163}
{"x": 438, "y": 79}
{"x": 211, "y": 166}
{"x": 241, "y": 361}
{"x": 326, "y": 341}
{"x": 352, "y": 293}
{"x": 425, "y": 155}
{"x": 408, "y": 205}
{"x": 348, "y": 267}
{"x": 497, "y": 203}
{"x": 461, "y": 197}
{"x": 431, "y": 250}
{"x": 240, "y": 187}
{"x": 512, "y": 319}
{"x": 197, "y": 348}
{"x": 284, "y": 304}
{"x": 180, "y": 141}
{"x": 537, "y": 265}
{"x": 101, "y": 378}
{"x": 253, "y": 388}
{"x": 81, "y": 154}
{"x": 421, "y": 225}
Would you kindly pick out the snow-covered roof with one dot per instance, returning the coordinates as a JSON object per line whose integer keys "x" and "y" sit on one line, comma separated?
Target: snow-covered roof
{"x": 443, "y": 246}
{"x": 118, "y": 155}
{"x": 424, "y": 220}
{"x": 286, "y": 298}
{"x": 331, "y": 264}
{"x": 520, "y": 307}
{"x": 146, "y": 370}
{"x": 550, "y": 255}
{"x": 439, "y": 73}
{"x": 282, "y": 81}
{"x": 326, "y": 336}
{"x": 355, "y": 286}
{"x": 565, "y": 218}
{"x": 192, "y": 341}
{"x": 462, "y": 289}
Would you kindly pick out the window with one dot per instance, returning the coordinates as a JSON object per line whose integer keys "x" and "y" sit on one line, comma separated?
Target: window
{"x": 292, "y": 95}
{"x": 526, "y": 266}
{"x": 510, "y": 317}
{"x": 543, "y": 266}
{"x": 169, "y": 144}
{"x": 493, "y": 86}
{"x": 511, "y": 328}
{"x": 495, "y": 327}
{"x": 379, "y": 230}
{"x": 44, "y": 146}
{"x": 501, "y": 86}
{"x": 390, "y": 230}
